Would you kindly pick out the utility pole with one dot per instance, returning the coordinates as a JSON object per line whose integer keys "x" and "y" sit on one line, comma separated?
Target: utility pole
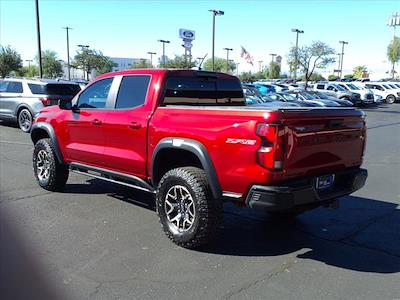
{"x": 259, "y": 65}
{"x": 163, "y": 50}
{"x": 68, "y": 66}
{"x": 151, "y": 57}
{"x": 215, "y": 13}
{"x": 297, "y": 50}
{"x": 38, "y": 39}
{"x": 394, "y": 21}
{"x": 341, "y": 62}
{"x": 339, "y": 56}
{"x": 227, "y": 58}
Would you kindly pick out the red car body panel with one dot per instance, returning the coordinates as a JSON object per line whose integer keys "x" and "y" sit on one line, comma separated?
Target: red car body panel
{"x": 315, "y": 141}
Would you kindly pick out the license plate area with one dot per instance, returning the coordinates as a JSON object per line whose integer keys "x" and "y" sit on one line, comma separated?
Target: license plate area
{"x": 324, "y": 182}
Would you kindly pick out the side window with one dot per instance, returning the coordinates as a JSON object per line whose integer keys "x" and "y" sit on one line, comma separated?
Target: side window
{"x": 95, "y": 96}
{"x": 330, "y": 88}
{"x": 3, "y": 85}
{"x": 132, "y": 91}
{"x": 379, "y": 88}
{"x": 14, "y": 87}
{"x": 320, "y": 86}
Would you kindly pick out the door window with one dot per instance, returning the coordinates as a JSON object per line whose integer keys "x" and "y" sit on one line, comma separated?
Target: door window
{"x": 95, "y": 96}
{"x": 132, "y": 91}
{"x": 11, "y": 87}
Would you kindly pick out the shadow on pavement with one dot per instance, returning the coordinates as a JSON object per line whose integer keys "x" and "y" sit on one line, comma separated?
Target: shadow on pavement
{"x": 362, "y": 235}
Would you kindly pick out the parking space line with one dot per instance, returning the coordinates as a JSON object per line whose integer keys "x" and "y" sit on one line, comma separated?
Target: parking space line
{"x": 16, "y": 143}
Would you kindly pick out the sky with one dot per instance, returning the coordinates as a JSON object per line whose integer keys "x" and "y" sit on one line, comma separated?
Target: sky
{"x": 131, "y": 28}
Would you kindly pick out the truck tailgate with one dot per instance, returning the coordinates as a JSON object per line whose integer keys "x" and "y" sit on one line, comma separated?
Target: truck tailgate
{"x": 323, "y": 140}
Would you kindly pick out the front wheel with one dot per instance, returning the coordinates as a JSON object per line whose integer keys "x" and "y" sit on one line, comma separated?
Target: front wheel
{"x": 25, "y": 120}
{"x": 390, "y": 99}
{"x": 49, "y": 173}
{"x": 189, "y": 214}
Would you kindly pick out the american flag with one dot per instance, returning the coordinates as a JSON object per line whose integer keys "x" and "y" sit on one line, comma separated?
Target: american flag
{"x": 246, "y": 56}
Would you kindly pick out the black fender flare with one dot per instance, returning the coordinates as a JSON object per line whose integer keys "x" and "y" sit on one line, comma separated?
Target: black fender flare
{"x": 40, "y": 126}
{"x": 197, "y": 149}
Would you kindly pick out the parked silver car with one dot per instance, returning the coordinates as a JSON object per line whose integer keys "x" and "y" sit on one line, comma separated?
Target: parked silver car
{"x": 22, "y": 99}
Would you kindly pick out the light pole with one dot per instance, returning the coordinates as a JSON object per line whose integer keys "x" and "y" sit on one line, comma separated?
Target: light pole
{"x": 151, "y": 57}
{"x": 227, "y": 58}
{"x": 67, "y": 29}
{"x": 341, "y": 62}
{"x": 29, "y": 62}
{"x": 237, "y": 69}
{"x": 339, "y": 55}
{"x": 83, "y": 47}
{"x": 297, "y": 50}
{"x": 273, "y": 56}
{"x": 215, "y": 13}
{"x": 163, "y": 50}
{"x": 38, "y": 39}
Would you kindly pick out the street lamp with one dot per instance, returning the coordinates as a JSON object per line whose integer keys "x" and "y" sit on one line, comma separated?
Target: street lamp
{"x": 163, "y": 50}
{"x": 341, "y": 63}
{"x": 83, "y": 47}
{"x": 151, "y": 56}
{"x": 227, "y": 58}
{"x": 69, "y": 72}
{"x": 273, "y": 56}
{"x": 29, "y": 62}
{"x": 259, "y": 65}
{"x": 215, "y": 13}
{"x": 297, "y": 50}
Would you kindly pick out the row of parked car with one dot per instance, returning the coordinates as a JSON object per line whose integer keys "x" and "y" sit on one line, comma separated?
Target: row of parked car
{"x": 323, "y": 93}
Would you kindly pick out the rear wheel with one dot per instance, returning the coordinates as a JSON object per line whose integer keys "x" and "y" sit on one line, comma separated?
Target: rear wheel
{"x": 188, "y": 213}
{"x": 390, "y": 99}
{"x": 49, "y": 173}
{"x": 25, "y": 120}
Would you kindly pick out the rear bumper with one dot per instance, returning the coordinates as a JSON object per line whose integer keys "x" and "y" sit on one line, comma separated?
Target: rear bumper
{"x": 303, "y": 192}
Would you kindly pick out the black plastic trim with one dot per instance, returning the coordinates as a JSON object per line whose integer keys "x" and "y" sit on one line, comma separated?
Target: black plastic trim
{"x": 50, "y": 131}
{"x": 197, "y": 149}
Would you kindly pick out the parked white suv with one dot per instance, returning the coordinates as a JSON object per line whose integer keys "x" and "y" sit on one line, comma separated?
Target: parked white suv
{"x": 382, "y": 88}
{"x": 367, "y": 97}
{"x": 337, "y": 91}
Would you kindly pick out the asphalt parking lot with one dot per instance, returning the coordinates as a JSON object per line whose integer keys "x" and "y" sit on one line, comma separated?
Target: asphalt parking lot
{"x": 100, "y": 241}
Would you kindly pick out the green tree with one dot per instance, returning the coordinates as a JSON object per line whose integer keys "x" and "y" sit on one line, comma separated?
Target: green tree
{"x": 89, "y": 59}
{"x": 142, "y": 64}
{"x": 219, "y": 65}
{"x": 28, "y": 71}
{"x": 274, "y": 70}
{"x": 51, "y": 65}
{"x": 393, "y": 52}
{"x": 247, "y": 77}
{"x": 180, "y": 62}
{"x": 10, "y": 60}
{"x": 332, "y": 77}
{"x": 318, "y": 55}
{"x": 359, "y": 71}
{"x": 348, "y": 76}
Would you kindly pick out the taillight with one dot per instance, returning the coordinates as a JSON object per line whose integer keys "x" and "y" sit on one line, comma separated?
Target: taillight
{"x": 270, "y": 154}
{"x": 45, "y": 101}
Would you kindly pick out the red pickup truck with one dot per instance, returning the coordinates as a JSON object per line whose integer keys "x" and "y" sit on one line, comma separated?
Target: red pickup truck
{"x": 188, "y": 137}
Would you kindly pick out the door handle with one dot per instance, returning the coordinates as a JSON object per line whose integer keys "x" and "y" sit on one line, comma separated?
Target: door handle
{"x": 135, "y": 125}
{"x": 96, "y": 122}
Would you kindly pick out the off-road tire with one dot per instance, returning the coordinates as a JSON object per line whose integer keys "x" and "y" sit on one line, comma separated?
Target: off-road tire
{"x": 390, "y": 99}
{"x": 57, "y": 172}
{"x": 208, "y": 210}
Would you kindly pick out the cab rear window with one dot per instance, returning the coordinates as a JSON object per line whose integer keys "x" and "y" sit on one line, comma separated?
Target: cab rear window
{"x": 54, "y": 89}
{"x": 203, "y": 90}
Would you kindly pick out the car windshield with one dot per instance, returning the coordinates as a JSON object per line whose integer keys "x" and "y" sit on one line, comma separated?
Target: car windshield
{"x": 307, "y": 96}
{"x": 289, "y": 97}
{"x": 386, "y": 86}
{"x": 54, "y": 89}
{"x": 340, "y": 88}
{"x": 353, "y": 87}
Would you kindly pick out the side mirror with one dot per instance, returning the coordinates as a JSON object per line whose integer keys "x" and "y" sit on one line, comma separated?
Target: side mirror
{"x": 65, "y": 104}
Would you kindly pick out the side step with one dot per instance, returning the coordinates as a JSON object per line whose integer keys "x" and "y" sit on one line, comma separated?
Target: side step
{"x": 112, "y": 176}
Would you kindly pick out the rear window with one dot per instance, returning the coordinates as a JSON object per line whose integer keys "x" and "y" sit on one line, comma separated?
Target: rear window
{"x": 189, "y": 90}
{"x": 54, "y": 89}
